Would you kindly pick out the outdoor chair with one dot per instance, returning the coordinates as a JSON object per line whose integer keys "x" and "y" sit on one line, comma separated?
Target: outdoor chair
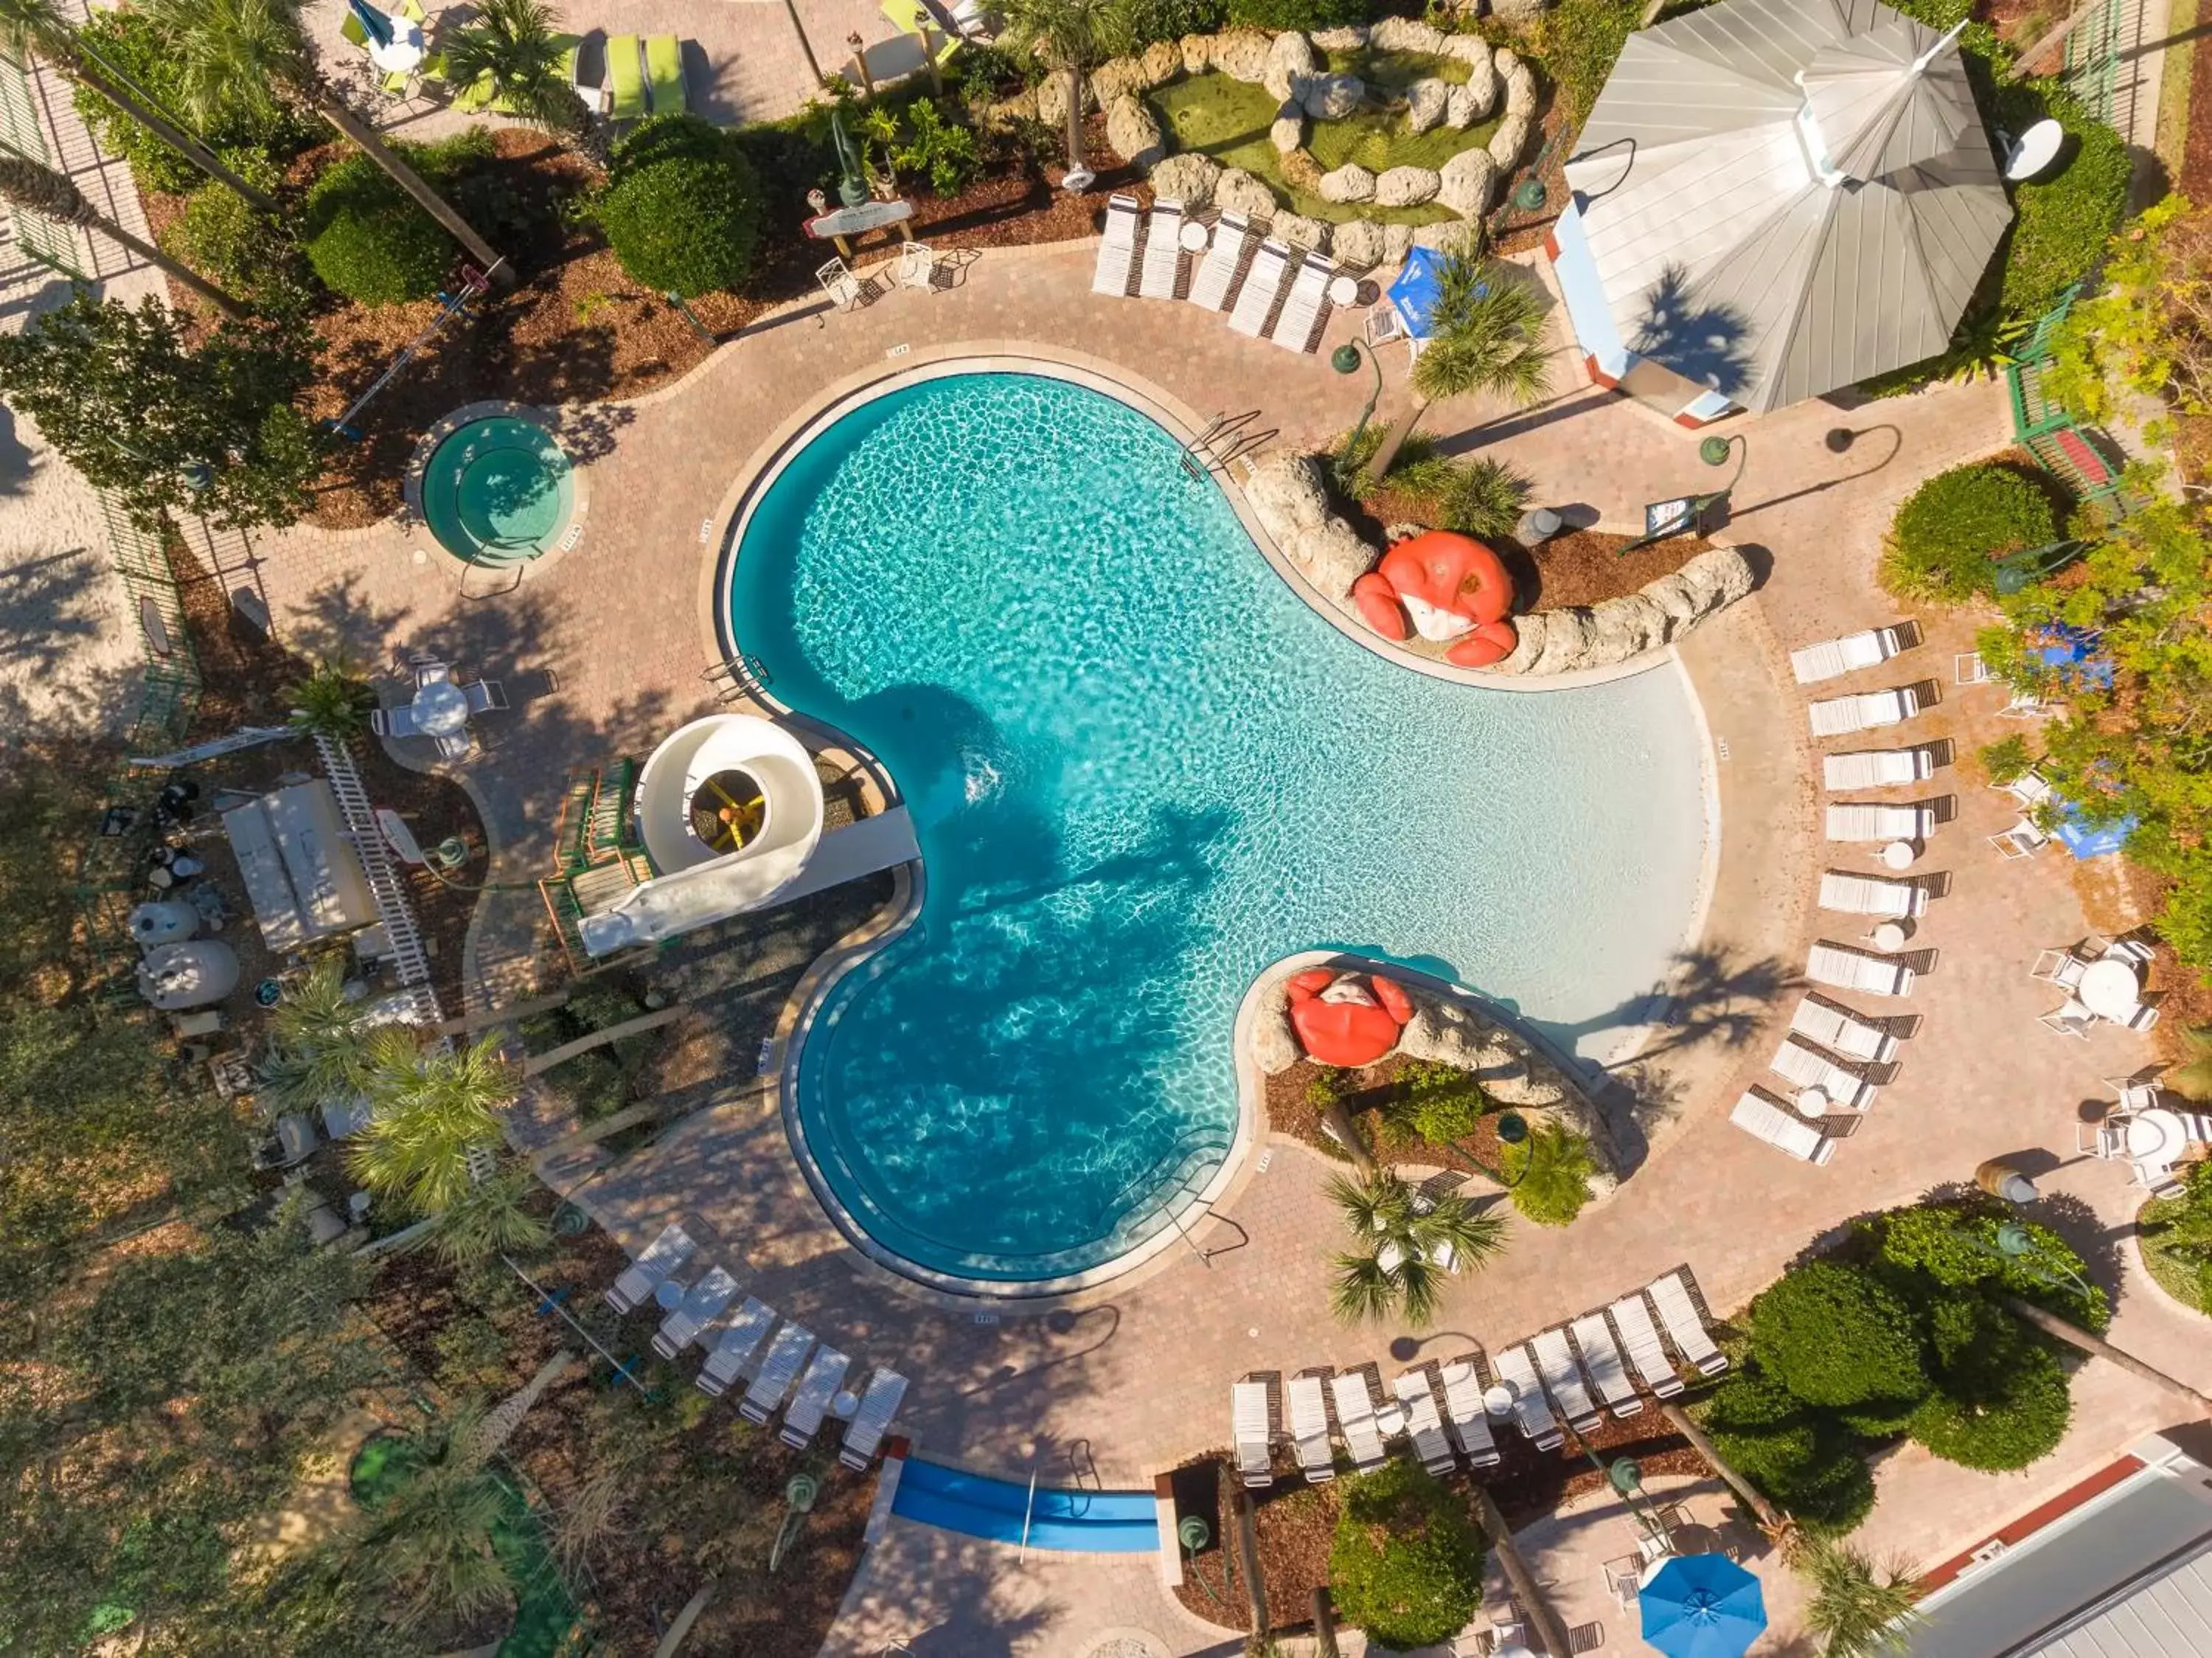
{"x": 1355, "y": 1419}
{"x": 456, "y": 747}
{"x": 1808, "y": 1068}
{"x": 1838, "y": 716}
{"x": 778, "y": 1371}
{"x": 2106, "y": 1141}
{"x": 2136, "y": 1093}
{"x": 869, "y": 1424}
{"x": 643, "y": 1276}
{"x": 1209, "y": 288}
{"x": 1624, "y": 1578}
{"x": 1563, "y": 1379}
{"x": 2024, "y": 705}
{"x": 2028, "y": 788}
{"x": 1631, "y": 1321}
{"x": 2145, "y": 1015}
{"x": 734, "y": 1348}
{"x": 429, "y": 670}
{"x": 1877, "y": 822}
{"x": 2060, "y": 967}
{"x": 1871, "y": 895}
{"x": 1842, "y": 1032}
{"x": 592, "y": 94}
{"x": 1876, "y": 768}
{"x": 485, "y": 696}
{"x": 2196, "y": 1126}
{"x": 2072, "y": 1020}
{"x": 700, "y": 1307}
{"x": 1310, "y": 1427}
{"x": 664, "y": 74}
{"x": 625, "y": 79}
{"x": 1252, "y": 1427}
{"x": 918, "y": 267}
{"x": 1465, "y": 1412}
{"x": 1422, "y": 1425}
{"x": 1162, "y": 267}
{"x": 1685, "y": 1327}
{"x": 1847, "y": 969}
{"x": 1301, "y": 316}
{"x": 824, "y": 1375}
{"x": 2022, "y": 840}
{"x": 1530, "y": 1414}
{"x": 847, "y": 291}
{"x": 1601, "y": 1362}
{"x": 2131, "y": 949}
{"x": 1255, "y": 301}
{"x": 1764, "y": 1119}
{"x": 1117, "y": 248}
{"x": 1832, "y": 658}
{"x": 1967, "y": 668}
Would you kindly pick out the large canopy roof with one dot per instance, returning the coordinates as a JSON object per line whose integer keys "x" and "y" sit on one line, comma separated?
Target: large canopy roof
{"x": 1782, "y": 197}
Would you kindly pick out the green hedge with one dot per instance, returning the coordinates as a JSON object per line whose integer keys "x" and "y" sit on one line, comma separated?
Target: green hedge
{"x": 369, "y": 240}
{"x": 223, "y": 239}
{"x": 682, "y": 208}
{"x": 1405, "y": 1565}
{"x": 1834, "y": 1334}
{"x": 1801, "y": 1459}
{"x": 2020, "y": 1413}
{"x": 1944, "y": 536}
{"x": 1578, "y": 42}
{"x": 1276, "y": 15}
{"x": 2061, "y": 221}
{"x": 1171, "y": 20}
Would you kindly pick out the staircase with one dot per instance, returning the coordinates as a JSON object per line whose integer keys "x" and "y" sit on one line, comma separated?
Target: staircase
{"x": 600, "y": 854}
{"x": 410, "y": 960}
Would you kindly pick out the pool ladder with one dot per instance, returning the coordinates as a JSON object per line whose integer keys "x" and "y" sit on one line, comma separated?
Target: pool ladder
{"x": 1227, "y": 438}
{"x": 736, "y": 679}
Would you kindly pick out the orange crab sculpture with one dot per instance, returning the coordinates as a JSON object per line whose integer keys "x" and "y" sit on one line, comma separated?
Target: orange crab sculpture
{"x": 1451, "y": 587}
{"x": 1343, "y": 1020}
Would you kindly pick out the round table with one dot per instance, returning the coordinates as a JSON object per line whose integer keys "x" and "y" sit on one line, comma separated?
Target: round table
{"x": 1193, "y": 237}
{"x": 1391, "y": 1419}
{"x": 844, "y": 1405}
{"x": 441, "y": 708}
{"x": 1812, "y": 1102}
{"x": 2110, "y": 989}
{"x": 1499, "y": 1399}
{"x": 2156, "y": 1136}
{"x": 1887, "y": 937}
{"x": 405, "y": 50}
{"x": 1343, "y": 290}
{"x": 669, "y": 1294}
{"x": 1899, "y": 854}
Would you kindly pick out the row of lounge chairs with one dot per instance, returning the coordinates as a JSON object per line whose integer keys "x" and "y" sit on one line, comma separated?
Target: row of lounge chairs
{"x": 1258, "y": 305}
{"x": 742, "y": 1343}
{"x": 1573, "y": 1374}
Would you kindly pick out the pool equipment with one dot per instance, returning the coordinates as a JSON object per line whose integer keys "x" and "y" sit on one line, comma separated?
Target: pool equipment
{"x": 163, "y": 921}
{"x": 188, "y": 974}
{"x": 497, "y": 492}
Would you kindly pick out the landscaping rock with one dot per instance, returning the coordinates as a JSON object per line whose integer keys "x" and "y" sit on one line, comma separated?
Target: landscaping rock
{"x": 1406, "y": 35}
{"x": 1470, "y": 49}
{"x": 1718, "y": 576}
{"x": 1467, "y": 182}
{"x": 1531, "y": 635}
{"x": 1051, "y": 100}
{"x": 1288, "y": 493}
{"x": 1188, "y": 178}
{"x": 1521, "y": 92}
{"x": 1293, "y": 52}
{"x": 1242, "y": 55}
{"x": 1238, "y": 191}
{"x": 1116, "y": 78}
{"x": 1426, "y": 100}
{"x": 1161, "y": 63}
{"x": 1332, "y": 97}
{"x": 1349, "y": 183}
{"x": 1348, "y": 39}
{"x": 1022, "y": 106}
{"x": 1459, "y": 108}
{"x": 1508, "y": 141}
{"x": 1397, "y": 242}
{"x": 1299, "y": 231}
{"x": 1406, "y": 186}
{"x": 1274, "y": 1044}
{"x": 1133, "y": 134}
{"x": 1504, "y": 59}
{"x": 1518, "y": 12}
{"x": 1566, "y": 641}
{"x": 1333, "y": 557}
{"x": 1301, "y": 171}
{"x": 1289, "y": 131}
{"x": 1623, "y": 629}
{"x": 1197, "y": 52}
{"x": 1481, "y": 88}
{"x": 1452, "y": 236}
{"x": 1356, "y": 243}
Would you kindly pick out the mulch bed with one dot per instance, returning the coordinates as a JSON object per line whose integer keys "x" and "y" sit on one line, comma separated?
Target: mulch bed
{"x": 1581, "y": 567}
{"x": 1291, "y": 1111}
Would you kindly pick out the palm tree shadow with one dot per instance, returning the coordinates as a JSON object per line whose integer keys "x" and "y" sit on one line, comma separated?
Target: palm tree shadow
{"x": 1708, "y": 343}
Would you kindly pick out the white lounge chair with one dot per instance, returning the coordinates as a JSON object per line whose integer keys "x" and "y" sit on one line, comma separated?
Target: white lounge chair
{"x": 1163, "y": 265}
{"x": 1601, "y": 1363}
{"x": 645, "y": 1275}
{"x": 1855, "y": 970}
{"x": 1876, "y": 768}
{"x": 1464, "y": 1410}
{"x": 1117, "y": 248}
{"x": 701, "y": 1306}
{"x": 1808, "y": 1068}
{"x": 1842, "y": 1033}
{"x": 1302, "y": 308}
{"x": 1262, "y": 284}
{"x": 1833, "y": 657}
{"x": 1530, "y": 1413}
{"x": 1631, "y": 1321}
{"x": 734, "y": 1349}
{"x": 1355, "y": 1419}
{"x": 1247, "y": 1413}
{"x": 1209, "y": 288}
{"x": 2024, "y": 839}
{"x": 1309, "y": 1428}
{"x": 825, "y": 1374}
{"x": 1563, "y": 1378}
{"x": 778, "y": 1371}
{"x": 1760, "y": 1117}
{"x": 1422, "y": 1425}
{"x": 1670, "y": 1296}
{"x": 1838, "y": 716}
{"x": 1873, "y": 822}
{"x": 869, "y": 1424}
{"x": 2028, "y": 788}
{"x": 1871, "y": 895}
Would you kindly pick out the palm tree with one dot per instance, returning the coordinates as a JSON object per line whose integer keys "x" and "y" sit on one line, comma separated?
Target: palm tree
{"x": 1858, "y": 1609}
{"x": 333, "y": 701}
{"x": 511, "y": 43}
{"x": 491, "y": 1218}
{"x": 429, "y": 1539}
{"x": 1486, "y": 336}
{"x": 497, "y": 1427}
{"x": 1070, "y": 35}
{"x": 247, "y": 53}
{"x": 28, "y": 25}
{"x": 319, "y": 1042}
{"x": 1396, "y": 1266}
{"x": 432, "y": 1111}
{"x": 32, "y": 185}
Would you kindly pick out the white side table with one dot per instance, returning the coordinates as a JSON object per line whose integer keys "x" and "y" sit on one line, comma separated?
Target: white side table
{"x": 1193, "y": 237}
{"x": 1499, "y": 1399}
{"x": 1899, "y": 854}
{"x": 1888, "y": 938}
{"x": 1343, "y": 290}
{"x": 668, "y": 1294}
{"x": 1813, "y": 1103}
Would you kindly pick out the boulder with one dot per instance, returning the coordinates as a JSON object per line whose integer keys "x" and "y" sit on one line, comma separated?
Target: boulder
{"x": 1117, "y": 77}
{"x": 1533, "y": 1084}
{"x": 1133, "y": 134}
{"x": 1397, "y": 242}
{"x": 1349, "y": 183}
{"x": 1623, "y": 629}
{"x": 1531, "y": 635}
{"x": 1238, "y": 191}
{"x": 1197, "y": 52}
{"x": 1348, "y": 39}
{"x": 1242, "y": 55}
{"x": 1521, "y": 92}
{"x": 1459, "y": 108}
{"x": 1443, "y": 1034}
{"x": 1186, "y": 178}
{"x": 1301, "y": 171}
{"x": 1426, "y": 100}
{"x": 1288, "y": 493}
{"x": 1518, "y": 12}
{"x": 1289, "y": 131}
{"x": 1161, "y": 63}
{"x": 1332, "y": 557}
{"x": 1274, "y": 1044}
{"x": 1405, "y": 187}
{"x": 1718, "y": 576}
{"x": 1293, "y": 52}
{"x": 1406, "y": 35}
{"x": 1451, "y": 236}
{"x": 1470, "y": 49}
{"x": 1504, "y": 59}
{"x": 1467, "y": 182}
{"x": 1566, "y": 641}
{"x": 1508, "y": 141}
{"x": 1481, "y": 90}
{"x": 1299, "y": 231}
{"x": 1022, "y": 106}
{"x": 1358, "y": 244}
{"x": 1332, "y": 97}
{"x": 1681, "y": 604}
{"x": 1051, "y": 100}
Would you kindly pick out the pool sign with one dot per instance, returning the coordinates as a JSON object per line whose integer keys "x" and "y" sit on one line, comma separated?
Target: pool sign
{"x": 843, "y": 222}
{"x": 1679, "y": 516}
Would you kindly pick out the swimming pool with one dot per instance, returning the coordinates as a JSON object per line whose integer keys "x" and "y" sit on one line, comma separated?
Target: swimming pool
{"x": 1142, "y": 769}
{"x": 497, "y": 490}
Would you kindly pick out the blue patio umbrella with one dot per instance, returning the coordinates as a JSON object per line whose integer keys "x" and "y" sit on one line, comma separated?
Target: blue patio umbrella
{"x": 373, "y": 23}
{"x": 1414, "y": 296}
{"x": 1702, "y": 1606}
{"x": 2090, "y": 840}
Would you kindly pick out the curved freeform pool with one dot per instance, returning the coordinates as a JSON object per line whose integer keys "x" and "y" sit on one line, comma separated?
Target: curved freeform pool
{"x": 1142, "y": 769}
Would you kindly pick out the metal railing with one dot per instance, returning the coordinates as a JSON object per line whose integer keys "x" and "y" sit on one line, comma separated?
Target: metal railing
{"x": 409, "y": 959}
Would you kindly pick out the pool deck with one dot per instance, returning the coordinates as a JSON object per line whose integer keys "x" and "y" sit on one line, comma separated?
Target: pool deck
{"x": 1135, "y": 1376}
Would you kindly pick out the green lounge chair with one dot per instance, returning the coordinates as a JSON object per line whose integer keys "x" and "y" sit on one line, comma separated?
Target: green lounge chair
{"x": 663, "y": 73}
{"x": 354, "y": 34}
{"x": 625, "y": 78}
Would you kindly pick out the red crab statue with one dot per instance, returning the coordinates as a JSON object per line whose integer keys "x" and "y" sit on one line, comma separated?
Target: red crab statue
{"x": 1452, "y": 587}
{"x": 1343, "y": 1020}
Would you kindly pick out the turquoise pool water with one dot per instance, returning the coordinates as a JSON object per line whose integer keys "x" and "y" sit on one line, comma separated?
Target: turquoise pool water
{"x": 497, "y": 490}
{"x": 1142, "y": 769}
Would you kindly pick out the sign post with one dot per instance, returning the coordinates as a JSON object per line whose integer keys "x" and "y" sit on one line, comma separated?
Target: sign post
{"x": 841, "y": 222}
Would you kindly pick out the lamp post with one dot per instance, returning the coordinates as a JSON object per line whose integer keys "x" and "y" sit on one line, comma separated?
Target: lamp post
{"x": 1714, "y": 452}
{"x": 1345, "y": 360}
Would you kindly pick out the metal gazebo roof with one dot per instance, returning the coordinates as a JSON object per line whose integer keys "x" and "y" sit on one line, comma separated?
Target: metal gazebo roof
{"x": 1782, "y": 197}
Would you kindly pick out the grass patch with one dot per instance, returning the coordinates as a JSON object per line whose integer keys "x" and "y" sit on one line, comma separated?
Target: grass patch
{"x": 1395, "y": 72}
{"x": 1229, "y": 120}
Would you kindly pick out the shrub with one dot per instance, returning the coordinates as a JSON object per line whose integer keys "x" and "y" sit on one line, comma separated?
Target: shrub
{"x": 1943, "y": 537}
{"x": 1802, "y": 1461}
{"x": 223, "y": 239}
{"x": 1171, "y": 20}
{"x": 368, "y": 239}
{"x": 1276, "y": 15}
{"x": 1550, "y": 1173}
{"x": 2023, "y": 1420}
{"x": 682, "y": 208}
{"x": 1440, "y": 1103}
{"x": 1406, "y": 1561}
{"x": 790, "y": 158}
{"x": 2060, "y": 224}
{"x": 1579, "y": 41}
{"x": 1482, "y": 497}
{"x": 2007, "y": 759}
{"x": 1953, "y": 1246}
{"x": 944, "y": 149}
{"x": 1834, "y": 1334}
